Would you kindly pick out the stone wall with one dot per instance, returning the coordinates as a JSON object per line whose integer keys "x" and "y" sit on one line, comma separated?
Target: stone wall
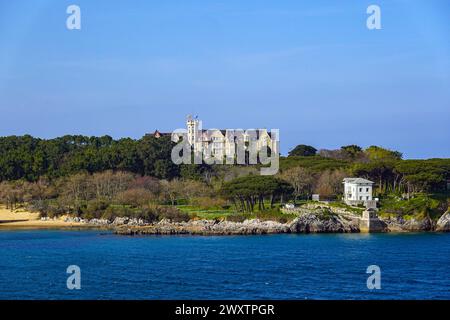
{"x": 370, "y": 222}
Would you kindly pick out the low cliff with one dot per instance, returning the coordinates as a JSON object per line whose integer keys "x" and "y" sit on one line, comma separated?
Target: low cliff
{"x": 308, "y": 220}
{"x": 443, "y": 224}
{"x": 308, "y": 223}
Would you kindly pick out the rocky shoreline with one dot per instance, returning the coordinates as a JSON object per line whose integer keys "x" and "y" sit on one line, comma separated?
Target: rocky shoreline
{"x": 308, "y": 223}
{"x": 311, "y": 221}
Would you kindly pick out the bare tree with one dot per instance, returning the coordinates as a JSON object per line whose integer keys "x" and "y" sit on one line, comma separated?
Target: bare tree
{"x": 108, "y": 184}
{"x": 329, "y": 184}
{"x": 172, "y": 190}
{"x": 137, "y": 197}
{"x": 301, "y": 179}
{"x": 192, "y": 189}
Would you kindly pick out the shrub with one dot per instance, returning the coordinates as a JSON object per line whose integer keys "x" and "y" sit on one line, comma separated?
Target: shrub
{"x": 173, "y": 214}
{"x": 209, "y": 203}
{"x": 135, "y": 197}
{"x": 113, "y": 212}
{"x": 237, "y": 217}
{"x": 95, "y": 209}
{"x": 149, "y": 214}
{"x": 47, "y": 208}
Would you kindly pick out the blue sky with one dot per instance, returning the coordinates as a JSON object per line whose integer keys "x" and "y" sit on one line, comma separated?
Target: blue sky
{"x": 310, "y": 68}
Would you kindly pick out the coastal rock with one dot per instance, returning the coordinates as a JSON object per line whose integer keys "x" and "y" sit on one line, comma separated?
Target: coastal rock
{"x": 310, "y": 223}
{"x": 75, "y": 220}
{"x": 208, "y": 227}
{"x": 319, "y": 208}
{"x": 399, "y": 224}
{"x": 419, "y": 225}
{"x": 129, "y": 221}
{"x": 99, "y": 222}
{"x": 120, "y": 220}
{"x": 252, "y": 226}
{"x": 137, "y": 222}
{"x": 309, "y": 220}
{"x": 443, "y": 224}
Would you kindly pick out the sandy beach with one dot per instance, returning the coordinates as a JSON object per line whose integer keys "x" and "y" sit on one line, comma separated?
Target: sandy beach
{"x": 20, "y": 219}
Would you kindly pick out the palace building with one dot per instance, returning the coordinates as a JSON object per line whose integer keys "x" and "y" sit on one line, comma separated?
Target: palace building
{"x": 223, "y": 141}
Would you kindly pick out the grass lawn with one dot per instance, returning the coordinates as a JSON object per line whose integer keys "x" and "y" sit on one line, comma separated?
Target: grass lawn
{"x": 231, "y": 214}
{"x": 206, "y": 213}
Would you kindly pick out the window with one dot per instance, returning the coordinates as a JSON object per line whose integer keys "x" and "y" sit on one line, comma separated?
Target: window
{"x": 367, "y": 189}
{"x": 360, "y": 189}
{"x": 360, "y": 197}
{"x": 367, "y": 197}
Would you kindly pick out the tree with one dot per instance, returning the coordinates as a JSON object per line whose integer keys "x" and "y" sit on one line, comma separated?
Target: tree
{"x": 172, "y": 190}
{"x": 421, "y": 175}
{"x": 75, "y": 191}
{"x": 195, "y": 171}
{"x": 137, "y": 197}
{"x": 108, "y": 184}
{"x": 329, "y": 184}
{"x": 12, "y": 194}
{"x": 376, "y": 153}
{"x": 379, "y": 171}
{"x": 246, "y": 192}
{"x": 303, "y": 151}
{"x": 333, "y": 154}
{"x": 193, "y": 188}
{"x": 29, "y": 158}
{"x": 148, "y": 183}
{"x": 352, "y": 150}
{"x": 155, "y": 154}
{"x": 301, "y": 179}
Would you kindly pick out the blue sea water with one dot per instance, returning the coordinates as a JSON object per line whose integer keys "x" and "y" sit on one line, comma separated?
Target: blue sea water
{"x": 333, "y": 266}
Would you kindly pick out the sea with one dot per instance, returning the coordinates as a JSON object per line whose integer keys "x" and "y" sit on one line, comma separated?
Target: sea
{"x": 94, "y": 264}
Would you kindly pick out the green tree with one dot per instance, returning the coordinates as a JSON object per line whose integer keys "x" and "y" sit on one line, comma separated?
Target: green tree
{"x": 376, "y": 153}
{"x": 352, "y": 150}
{"x": 303, "y": 150}
{"x": 246, "y": 192}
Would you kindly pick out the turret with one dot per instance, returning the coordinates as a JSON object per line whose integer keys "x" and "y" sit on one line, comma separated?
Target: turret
{"x": 192, "y": 127}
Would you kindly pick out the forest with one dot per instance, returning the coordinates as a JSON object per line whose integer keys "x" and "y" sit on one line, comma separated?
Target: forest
{"x": 100, "y": 177}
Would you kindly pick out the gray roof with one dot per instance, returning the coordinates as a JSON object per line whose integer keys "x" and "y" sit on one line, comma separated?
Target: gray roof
{"x": 358, "y": 180}
{"x": 224, "y": 132}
